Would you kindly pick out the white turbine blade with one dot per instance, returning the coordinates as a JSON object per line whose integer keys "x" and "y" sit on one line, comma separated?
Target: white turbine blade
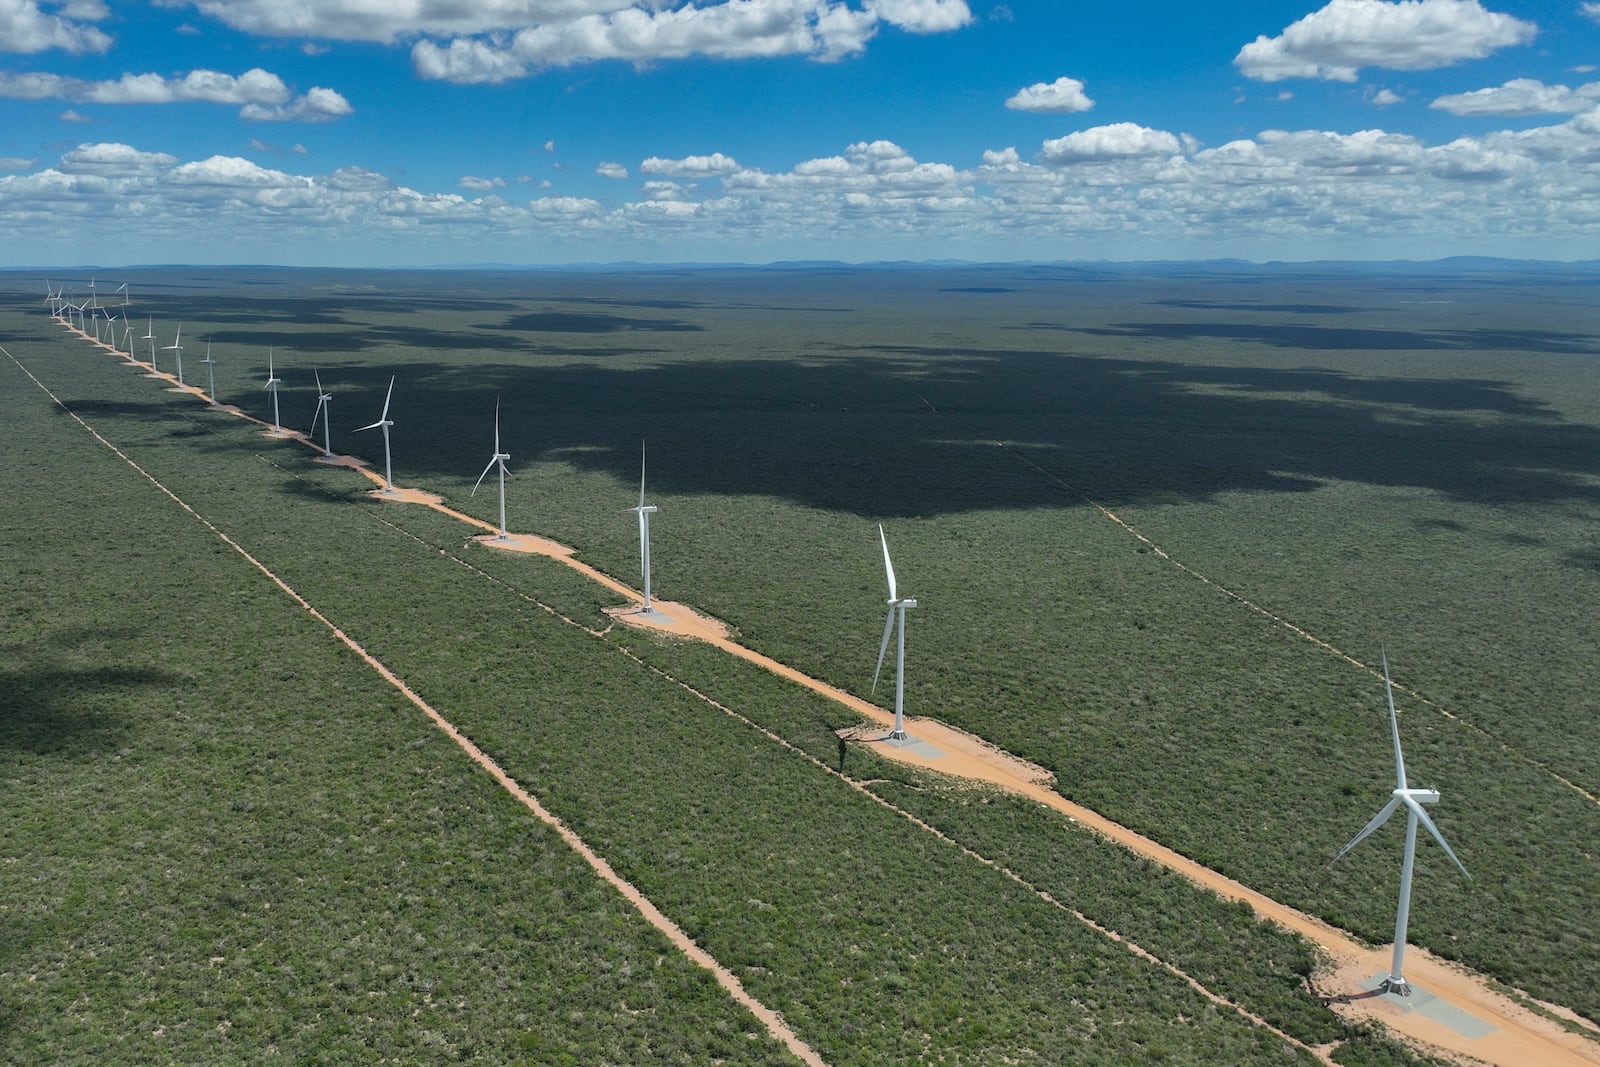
{"x": 1394, "y": 724}
{"x": 1377, "y": 821}
{"x": 386, "y": 398}
{"x": 484, "y": 475}
{"x": 644, "y": 525}
{"x": 1422, "y": 816}
{"x": 497, "y": 427}
{"x": 641, "y": 485}
{"x": 888, "y": 568}
{"x": 888, "y": 628}
{"x": 318, "y": 376}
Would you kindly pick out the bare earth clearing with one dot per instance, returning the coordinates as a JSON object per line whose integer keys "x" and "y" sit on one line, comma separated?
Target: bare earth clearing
{"x": 1484, "y": 1025}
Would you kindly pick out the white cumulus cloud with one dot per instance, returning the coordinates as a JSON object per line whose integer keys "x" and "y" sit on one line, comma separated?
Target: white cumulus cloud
{"x": 922, "y": 16}
{"x": 512, "y": 40}
{"x": 480, "y": 185}
{"x": 610, "y": 169}
{"x": 1120, "y": 140}
{"x": 1521, "y": 97}
{"x": 260, "y": 94}
{"x": 691, "y": 166}
{"x": 1337, "y": 41}
{"x": 1062, "y": 96}
{"x": 25, "y": 28}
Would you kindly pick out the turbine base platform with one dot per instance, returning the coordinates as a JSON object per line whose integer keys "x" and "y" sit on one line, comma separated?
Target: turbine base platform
{"x": 1429, "y": 1006}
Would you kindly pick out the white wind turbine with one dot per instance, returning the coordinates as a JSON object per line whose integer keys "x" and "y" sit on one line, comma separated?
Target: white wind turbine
{"x": 176, "y": 347}
{"x": 897, "y": 613}
{"x": 384, "y": 423}
{"x": 127, "y": 337}
{"x": 1412, "y": 799}
{"x": 644, "y": 530}
{"x": 273, "y": 381}
{"x": 211, "y": 376}
{"x": 150, "y": 335}
{"x": 323, "y": 411}
{"x": 498, "y": 459}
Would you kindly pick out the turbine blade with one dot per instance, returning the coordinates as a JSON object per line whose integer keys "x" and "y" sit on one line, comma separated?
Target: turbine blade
{"x": 641, "y": 482}
{"x": 888, "y": 628}
{"x": 497, "y": 426}
{"x": 644, "y": 527}
{"x": 1377, "y": 821}
{"x": 484, "y": 475}
{"x": 318, "y": 376}
{"x": 1394, "y": 723}
{"x": 887, "y": 566}
{"x": 1422, "y": 816}
{"x": 386, "y": 398}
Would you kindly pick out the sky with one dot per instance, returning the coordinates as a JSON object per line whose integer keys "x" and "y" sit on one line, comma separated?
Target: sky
{"x": 451, "y": 132}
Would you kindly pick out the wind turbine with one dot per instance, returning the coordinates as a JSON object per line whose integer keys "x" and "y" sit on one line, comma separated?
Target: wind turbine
{"x": 150, "y": 335}
{"x": 272, "y": 383}
{"x": 384, "y": 423}
{"x": 897, "y": 612}
{"x": 498, "y": 459}
{"x": 127, "y": 337}
{"x": 177, "y": 349}
{"x": 211, "y": 377}
{"x": 323, "y": 411}
{"x": 644, "y": 530}
{"x": 1412, "y": 799}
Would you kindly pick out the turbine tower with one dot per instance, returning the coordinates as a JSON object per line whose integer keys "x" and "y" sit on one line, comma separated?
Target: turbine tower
{"x": 384, "y": 423}
{"x": 176, "y": 348}
{"x": 273, "y": 381}
{"x": 644, "y": 530}
{"x": 498, "y": 459}
{"x": 897, "y": 614}
{"x": 1412, "y": 799}
{"x": 323, "y": 412}
{"x": 211, "y": 377}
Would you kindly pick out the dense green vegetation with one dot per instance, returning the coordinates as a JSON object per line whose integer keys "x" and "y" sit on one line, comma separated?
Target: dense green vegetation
{"x": 877, "y": 941}
{"x": 1365, "y": 466}
{"x": 224, "y": 841}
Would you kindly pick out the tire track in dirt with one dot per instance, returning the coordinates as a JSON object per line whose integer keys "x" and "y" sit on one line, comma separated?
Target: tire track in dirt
{"x": 730, "y": 983}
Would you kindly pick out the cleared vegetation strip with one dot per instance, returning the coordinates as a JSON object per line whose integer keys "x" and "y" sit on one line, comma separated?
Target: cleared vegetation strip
{"x": 1298, "y": 631}
{"x": 725, "y": 978}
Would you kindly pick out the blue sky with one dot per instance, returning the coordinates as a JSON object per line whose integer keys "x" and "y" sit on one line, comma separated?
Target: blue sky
{"x": 418, "y": 132}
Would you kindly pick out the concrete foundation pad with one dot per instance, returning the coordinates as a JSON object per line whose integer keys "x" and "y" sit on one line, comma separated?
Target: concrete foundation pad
{"x": 911, "y": 744}
{"x": 1429, "y": 1006}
